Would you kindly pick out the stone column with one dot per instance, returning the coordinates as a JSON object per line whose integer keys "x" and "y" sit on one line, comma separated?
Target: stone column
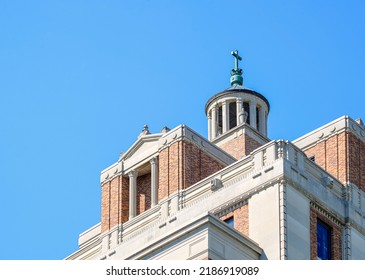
{"x": 239, "y": 111}
{"x": 253, "y": 114}
{"x": 225, "y": 116}
{"x": 214, "y": 122}
{"x": 154, "y": 181}
{"x": 262, "y": 121}
{"x": 209, "y": 125}
{"x": 132, "y": 194}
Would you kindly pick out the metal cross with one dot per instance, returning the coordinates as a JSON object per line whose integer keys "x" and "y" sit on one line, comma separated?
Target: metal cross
{"x": 237, "y": 57}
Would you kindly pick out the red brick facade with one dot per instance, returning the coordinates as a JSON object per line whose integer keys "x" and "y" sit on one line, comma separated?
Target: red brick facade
{"x": 240, "y": 146}
{"x": 240, "y": 216}
{"x": 143, "y": 193}
{"x": 114, "y": 202}
{"x": 181, "y": 165}
{"x": 336, "y": 235}
{"x": 343, "y": 156}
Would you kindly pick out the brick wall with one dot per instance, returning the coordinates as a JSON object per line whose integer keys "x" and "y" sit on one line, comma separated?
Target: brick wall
{"x": 343, "y": 156}
{"x": 240, "y": 146}
{"x": 114, "y": 202}
{"x": 240, "y": 216}
{"x": 336, "y": 236}
{"x": 181, "y": 165}
{"x": 143, "y": 193}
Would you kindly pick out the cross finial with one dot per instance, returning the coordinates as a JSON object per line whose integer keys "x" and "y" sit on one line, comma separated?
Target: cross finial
{"x": 237, "y": 58}
{"x": 236, "y": 73}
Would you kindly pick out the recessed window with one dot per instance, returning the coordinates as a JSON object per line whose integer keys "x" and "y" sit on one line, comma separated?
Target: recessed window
{"x": 220, "y": 121}
{"x": 246, "y": 108}
{"x": 230, "y": 221}
{"x": 232, "y": 115}
{"x": 323, "y": 241}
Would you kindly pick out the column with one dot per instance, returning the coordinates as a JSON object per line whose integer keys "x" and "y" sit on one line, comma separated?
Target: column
{"x": 262, "y": 121}
{"x": 239, "y": 111}
{"x": 225, "y": 116}
{"x": 214, "y": 122}
{"x": 253, "y": 114}
{"x": 154, "y": 181}
{"x": 209, "y": 125}
{"x": 132, "y": 194}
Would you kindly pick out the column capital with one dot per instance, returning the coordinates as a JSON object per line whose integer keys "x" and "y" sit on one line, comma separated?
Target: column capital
{"x": 132, "y": 173}
{"x": 153, "y": 160}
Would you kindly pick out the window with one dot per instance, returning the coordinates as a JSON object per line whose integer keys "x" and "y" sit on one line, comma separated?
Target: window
{"x": 220, "y": 121}
{"x": 246, "y": 108}
{"x": 323, "y": 241}
{"x": 230, "y": 221}
{"x": 232, "y": 115}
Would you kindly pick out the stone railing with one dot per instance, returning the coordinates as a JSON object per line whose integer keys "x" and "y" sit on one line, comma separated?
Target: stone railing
{"x": 263, "y": 167}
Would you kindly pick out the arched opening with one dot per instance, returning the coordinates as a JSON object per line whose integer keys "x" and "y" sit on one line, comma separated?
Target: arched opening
{"x": 220, "y": 121}
{"x": 232, "y": 115}
{"x": 246, "y": 108}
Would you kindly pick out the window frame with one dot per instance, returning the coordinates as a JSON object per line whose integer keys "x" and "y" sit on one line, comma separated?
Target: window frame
{"x": 324, "y": 240}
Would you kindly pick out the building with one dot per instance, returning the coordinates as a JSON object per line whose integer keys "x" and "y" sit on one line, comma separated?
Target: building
{"x": 235, "y": 194}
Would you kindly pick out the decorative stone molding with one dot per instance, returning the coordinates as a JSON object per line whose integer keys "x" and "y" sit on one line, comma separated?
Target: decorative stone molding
{"x": 229, "y": 207}
{"x": 215, "y": 184}
{"x": 337, "y": 126}
{"x": 327, "y": 181}
{"x": 326, "y": 213}
{"x": 283, "y": 220}
{"x": 145, "y": 131}
{"x": 165, "y": 129}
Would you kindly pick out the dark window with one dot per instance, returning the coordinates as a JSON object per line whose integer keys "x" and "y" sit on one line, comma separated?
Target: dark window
{"x": 220, "y": 122}
{"x": 246, "y": 108}
{"x": 323, "y": 241}
{"x": 230, "y": 221}
{"x": 232, "y": 115}
{"x": 258, "y": 118}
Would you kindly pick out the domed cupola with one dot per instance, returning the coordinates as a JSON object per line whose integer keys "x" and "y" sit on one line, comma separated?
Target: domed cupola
{"x": 237, "y": 108}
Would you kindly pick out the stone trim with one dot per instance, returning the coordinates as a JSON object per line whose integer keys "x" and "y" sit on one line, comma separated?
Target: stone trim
{"x": 344, "y": 123}
{"x": 229, "y": 207}
{"x": 283, "y": 221}
{"x": 317, "y": 213}
{"x": 326, "y": 214}
{"x": 236, "y": 93}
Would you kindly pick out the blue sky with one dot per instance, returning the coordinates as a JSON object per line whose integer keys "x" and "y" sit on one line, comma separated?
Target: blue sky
{"x": 79, "y": 79}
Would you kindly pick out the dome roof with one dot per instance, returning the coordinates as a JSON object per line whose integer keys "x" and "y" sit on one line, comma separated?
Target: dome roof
{"x": 235, "y": 89}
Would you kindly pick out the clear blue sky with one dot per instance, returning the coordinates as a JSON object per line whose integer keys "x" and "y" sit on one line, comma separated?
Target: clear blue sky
{"x": 79, "y": 79}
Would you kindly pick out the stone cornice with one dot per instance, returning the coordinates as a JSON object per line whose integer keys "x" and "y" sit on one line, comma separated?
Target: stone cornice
{"x": 327, "y": 213}
{"x": 136, "y": 145}
{"x": 235, "y": 92}
{"x": 203, "y": 222}
{"x": 238, "y": 131}
{"x": 342, "y": 124}
{"x": 91, "y": 249}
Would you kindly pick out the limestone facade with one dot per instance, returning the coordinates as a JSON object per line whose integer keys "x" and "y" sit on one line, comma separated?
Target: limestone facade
{"x": 235, "y": 194}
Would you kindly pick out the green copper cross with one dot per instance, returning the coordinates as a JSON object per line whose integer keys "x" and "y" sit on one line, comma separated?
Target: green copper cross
{"x": 236, "y": 73}
{"x": 237, "y": 57}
